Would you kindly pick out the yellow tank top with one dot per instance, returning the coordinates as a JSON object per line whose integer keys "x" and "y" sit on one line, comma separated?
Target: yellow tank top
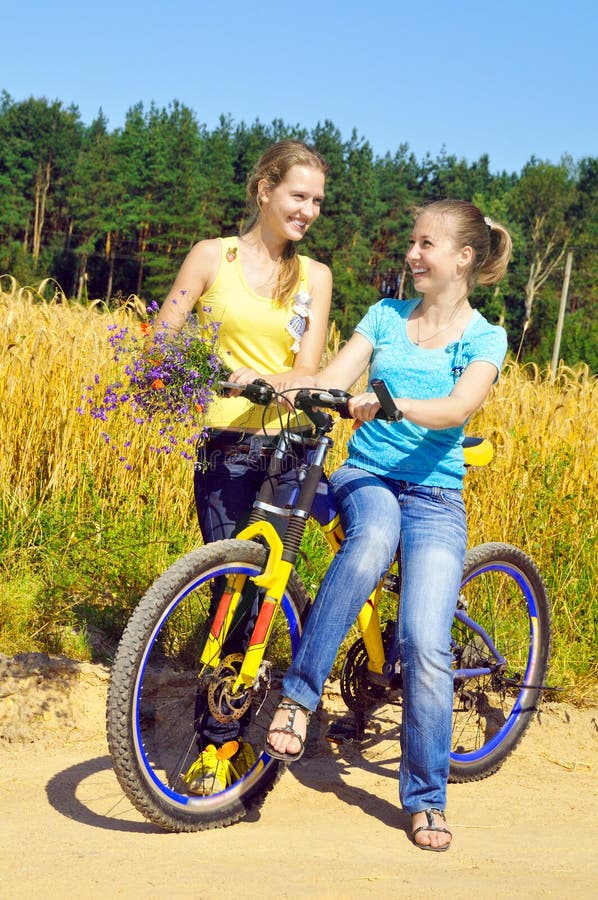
{"x": 252, "y": 332}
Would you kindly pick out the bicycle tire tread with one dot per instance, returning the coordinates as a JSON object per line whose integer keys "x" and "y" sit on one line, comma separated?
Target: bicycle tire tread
{"x": 123, "y": 677}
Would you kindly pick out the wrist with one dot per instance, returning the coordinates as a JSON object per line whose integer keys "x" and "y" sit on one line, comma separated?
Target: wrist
{"x": 404, "y": 405}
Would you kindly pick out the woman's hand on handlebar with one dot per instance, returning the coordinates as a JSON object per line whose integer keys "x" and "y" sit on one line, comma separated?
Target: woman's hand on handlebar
{"x": 288, "y": 383}
{"x": 363, "y": 407}
{"x": 284, "y": 384}
{"x": 242, "y": 377}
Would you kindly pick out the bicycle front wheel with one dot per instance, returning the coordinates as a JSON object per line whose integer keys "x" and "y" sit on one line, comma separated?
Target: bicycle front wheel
{"x": 157, "y": 683}
{"x": 501, "y": 646}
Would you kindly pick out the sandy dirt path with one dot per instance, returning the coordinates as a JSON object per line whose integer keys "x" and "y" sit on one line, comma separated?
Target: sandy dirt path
{"x": 332, "y": 828}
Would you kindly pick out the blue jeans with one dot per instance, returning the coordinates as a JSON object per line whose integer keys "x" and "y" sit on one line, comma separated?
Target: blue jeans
{"x": 428, "y": 526}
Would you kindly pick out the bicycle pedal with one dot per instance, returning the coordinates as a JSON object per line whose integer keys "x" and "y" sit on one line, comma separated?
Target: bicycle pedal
{"x": 343, "y": 733}
{"x": 379, "y": 679}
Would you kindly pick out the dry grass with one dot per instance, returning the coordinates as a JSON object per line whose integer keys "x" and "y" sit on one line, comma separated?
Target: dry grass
{"x": 539, "y": 491}
{"x": 49, "y": 353}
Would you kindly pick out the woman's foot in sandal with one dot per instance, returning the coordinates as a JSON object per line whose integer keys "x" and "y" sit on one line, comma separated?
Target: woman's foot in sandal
{"x": 428, "y": 831}
{"x": 286, "y": 736}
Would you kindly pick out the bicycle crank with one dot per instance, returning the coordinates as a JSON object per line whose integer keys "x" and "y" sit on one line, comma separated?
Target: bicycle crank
{"x": 225, "y": 705}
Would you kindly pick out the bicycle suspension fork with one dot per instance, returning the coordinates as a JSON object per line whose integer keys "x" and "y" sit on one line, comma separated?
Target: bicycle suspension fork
{"x": 282, "y": 556}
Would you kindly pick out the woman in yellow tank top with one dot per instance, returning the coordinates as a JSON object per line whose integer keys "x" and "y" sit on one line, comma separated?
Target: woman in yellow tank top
{"x": 272, "y": 305}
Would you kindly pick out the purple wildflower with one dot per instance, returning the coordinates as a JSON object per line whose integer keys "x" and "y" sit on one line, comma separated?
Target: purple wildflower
{"x": 168, "y": 381}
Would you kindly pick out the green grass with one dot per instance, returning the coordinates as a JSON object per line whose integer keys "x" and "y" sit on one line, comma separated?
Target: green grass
{"x": 79, "y": 563}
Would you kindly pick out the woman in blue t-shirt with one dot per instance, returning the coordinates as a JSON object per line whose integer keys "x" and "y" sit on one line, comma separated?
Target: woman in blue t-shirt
{"x": 401, "y": 487}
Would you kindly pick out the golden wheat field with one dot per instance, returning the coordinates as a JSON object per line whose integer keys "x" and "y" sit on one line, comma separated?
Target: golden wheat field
{"x": 539, "y": 492}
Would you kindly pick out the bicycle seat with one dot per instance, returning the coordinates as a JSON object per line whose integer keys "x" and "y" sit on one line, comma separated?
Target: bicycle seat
{"x": 477, "y": 451}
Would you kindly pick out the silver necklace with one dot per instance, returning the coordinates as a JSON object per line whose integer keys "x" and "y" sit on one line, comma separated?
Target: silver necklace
{"x": 453, "y": 315}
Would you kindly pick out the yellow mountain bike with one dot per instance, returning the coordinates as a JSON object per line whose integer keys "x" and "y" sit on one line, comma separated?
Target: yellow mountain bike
{"x": 174, "y": 653}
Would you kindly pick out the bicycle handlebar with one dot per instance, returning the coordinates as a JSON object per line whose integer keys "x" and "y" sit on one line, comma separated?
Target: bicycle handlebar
{"x": 478, "y": 451}
{"x": 262, "y": 393}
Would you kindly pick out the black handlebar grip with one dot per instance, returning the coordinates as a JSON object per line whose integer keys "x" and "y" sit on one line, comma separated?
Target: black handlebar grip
{"x": 391, "y": 412}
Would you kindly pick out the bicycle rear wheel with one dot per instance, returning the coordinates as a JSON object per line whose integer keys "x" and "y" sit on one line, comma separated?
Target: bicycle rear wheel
{"x": 503, "y": 612}
{"x": 157, "y": 679}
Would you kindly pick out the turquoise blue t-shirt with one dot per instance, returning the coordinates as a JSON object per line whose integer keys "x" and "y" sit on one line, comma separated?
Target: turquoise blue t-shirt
{"x": 403, "y": 450}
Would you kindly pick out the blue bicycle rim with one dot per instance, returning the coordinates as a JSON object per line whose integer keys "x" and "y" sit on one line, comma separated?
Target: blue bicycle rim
{"x": 517, "y": 709}
{"x": 239, "y": 787}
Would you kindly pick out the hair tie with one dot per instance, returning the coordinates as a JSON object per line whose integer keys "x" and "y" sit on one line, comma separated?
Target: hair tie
{"x": 488, "y": 222}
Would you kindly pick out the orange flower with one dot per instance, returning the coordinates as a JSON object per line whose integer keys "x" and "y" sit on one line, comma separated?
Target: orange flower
{"x": 158, "y": 384}
{"x": 199, "y": 407}
{"x": 146, "y": 328}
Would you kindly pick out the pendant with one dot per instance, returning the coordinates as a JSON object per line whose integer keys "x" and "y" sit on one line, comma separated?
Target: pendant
{"x": 231, "y": 254}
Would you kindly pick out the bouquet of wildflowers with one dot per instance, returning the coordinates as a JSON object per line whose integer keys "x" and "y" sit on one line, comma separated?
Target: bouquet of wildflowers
{"x": 168, "y": 381}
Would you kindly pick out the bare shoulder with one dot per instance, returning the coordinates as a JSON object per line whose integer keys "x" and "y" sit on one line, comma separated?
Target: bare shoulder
{"x": 206, "y": 252}
{"x": 320, "y": 276}
{"x": 195, "y": 276}
{"x": 199, "y": 268}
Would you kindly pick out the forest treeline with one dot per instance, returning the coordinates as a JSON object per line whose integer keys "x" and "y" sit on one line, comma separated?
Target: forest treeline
{"x": 110, "y": 213}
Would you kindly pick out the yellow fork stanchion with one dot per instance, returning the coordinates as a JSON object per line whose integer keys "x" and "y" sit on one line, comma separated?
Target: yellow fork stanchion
{"x": 227, "y": 605}
{"x": 274, "y": 579}
{"x": 231, "y": 595}
{"x": 263, "y": 625}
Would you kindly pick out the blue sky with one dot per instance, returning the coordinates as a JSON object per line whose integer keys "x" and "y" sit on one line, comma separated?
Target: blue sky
{"x": 511, "y": 79}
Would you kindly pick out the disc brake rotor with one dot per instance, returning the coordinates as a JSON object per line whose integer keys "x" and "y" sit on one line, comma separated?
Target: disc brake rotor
{"x": 225, "y": 705}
